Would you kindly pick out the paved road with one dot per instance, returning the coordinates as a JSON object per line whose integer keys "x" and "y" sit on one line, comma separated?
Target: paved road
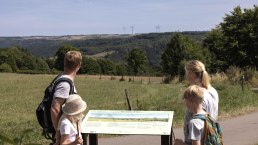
{"x": 241, "y": 130}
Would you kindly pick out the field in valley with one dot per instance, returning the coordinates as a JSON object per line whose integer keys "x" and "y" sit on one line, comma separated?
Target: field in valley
{"x": 21, "y": 94}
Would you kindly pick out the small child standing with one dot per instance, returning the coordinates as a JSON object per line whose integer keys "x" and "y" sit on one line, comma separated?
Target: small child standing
{"x": 193, "y": 98}
{"x": 70, "y": 122}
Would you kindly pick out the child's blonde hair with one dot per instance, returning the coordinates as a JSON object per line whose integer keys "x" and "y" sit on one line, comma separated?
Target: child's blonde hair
{"x": 198, "y": 68}
{"x": 194, "y": 93}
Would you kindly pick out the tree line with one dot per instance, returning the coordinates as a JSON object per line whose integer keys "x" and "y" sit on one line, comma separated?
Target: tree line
{"x": 234, "y": 42}
{"x": 19, "y": 60}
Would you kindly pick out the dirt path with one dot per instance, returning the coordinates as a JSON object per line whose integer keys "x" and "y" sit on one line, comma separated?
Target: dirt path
{"x": 241, "y": 130}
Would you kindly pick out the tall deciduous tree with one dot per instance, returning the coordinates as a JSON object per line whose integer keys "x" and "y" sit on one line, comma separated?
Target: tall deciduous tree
{"x": 121, "y": 69}
{"x": 106, "y": 66}
{"x": 89, "y": 66}
{"x": 214, "y": 43}
{"x": 235, "y": 41}
{"x": 179, "y": 50}
{"x": 136, "y": 60}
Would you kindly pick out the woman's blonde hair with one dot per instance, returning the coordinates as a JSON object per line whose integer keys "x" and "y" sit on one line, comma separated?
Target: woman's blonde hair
{"x": 194, "y": 93}
{"x": 198, "y": 68}
{"x": 72, "y": 60}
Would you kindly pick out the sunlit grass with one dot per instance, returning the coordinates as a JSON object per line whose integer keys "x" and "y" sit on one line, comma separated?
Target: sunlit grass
{"x": 21, "y": 94}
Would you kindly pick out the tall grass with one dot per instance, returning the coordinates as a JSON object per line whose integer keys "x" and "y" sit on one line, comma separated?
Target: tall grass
{"x": 21, "y": 94}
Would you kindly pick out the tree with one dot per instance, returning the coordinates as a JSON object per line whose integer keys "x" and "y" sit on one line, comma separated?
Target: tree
{"x": 20, "y": 59}
{"x": 214, "y": 42}
{"x": 50, "y": 62}
{"x": 106, "y": 66}
{"x": 41, "y": 65}
{"x": 179, "y": 50}
{"x": 136, "y": 60}
{"x": 234, "y": 41}
{"x": 121, "y": 69}
{"x": 89, "y": 66}
{"x": 60, "y": 54}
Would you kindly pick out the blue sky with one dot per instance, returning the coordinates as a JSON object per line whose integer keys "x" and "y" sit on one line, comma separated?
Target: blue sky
{"x": 75, "y": 17}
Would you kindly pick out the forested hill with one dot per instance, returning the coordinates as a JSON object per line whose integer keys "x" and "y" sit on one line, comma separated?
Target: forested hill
{"x": 115, "y": 46}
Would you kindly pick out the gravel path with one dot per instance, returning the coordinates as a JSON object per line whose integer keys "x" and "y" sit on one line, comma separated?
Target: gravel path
{"x": 241, "y": 130}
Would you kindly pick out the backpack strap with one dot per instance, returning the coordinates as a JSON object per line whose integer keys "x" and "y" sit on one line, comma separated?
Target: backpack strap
{"x": 200, "y": 116}
{"x": 64, "y": 79}
{"x": 204, "y": 118}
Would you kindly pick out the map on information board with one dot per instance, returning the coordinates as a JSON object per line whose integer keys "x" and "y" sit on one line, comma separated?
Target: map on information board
{"x": 128, "y": 122}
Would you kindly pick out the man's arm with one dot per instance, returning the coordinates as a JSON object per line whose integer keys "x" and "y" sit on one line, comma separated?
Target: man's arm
{"x": 56, "y": 110}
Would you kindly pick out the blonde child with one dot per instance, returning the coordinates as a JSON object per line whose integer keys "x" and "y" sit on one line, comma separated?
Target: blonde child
{"x": 193, "y": 98}
{"x": 70, "y": 122}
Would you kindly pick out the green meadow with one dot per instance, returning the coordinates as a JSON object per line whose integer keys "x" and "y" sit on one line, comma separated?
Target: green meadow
{"x": 21, "y": 94}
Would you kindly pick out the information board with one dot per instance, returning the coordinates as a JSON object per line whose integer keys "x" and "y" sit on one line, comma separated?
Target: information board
{"x": 128, "y": 122}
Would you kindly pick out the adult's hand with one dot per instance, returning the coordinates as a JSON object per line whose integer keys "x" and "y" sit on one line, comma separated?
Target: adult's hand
{"x": 57, "y": 137}
{"x": 78, "y": 140}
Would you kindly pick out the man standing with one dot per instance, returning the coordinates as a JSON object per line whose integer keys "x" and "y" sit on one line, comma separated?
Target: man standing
{"x": 72, "y": 64}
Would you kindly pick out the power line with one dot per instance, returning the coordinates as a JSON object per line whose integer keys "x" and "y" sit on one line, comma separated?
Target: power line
{"x": 132, "y": 27}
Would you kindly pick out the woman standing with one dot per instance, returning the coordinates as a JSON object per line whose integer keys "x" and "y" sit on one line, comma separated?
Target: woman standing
{"x": 196, "y": 74}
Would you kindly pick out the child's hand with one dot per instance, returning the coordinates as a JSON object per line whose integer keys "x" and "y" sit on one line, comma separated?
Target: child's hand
{"x": 78, "y": 140}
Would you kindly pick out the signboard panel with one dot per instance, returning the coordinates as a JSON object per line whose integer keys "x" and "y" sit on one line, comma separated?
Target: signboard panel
{"x": 128, "y": 122}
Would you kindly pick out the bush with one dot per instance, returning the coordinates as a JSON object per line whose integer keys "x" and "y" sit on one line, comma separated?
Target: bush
{"x": 249, "y": 74}
{"x": 5, "y": 68}
{"x": 233, "y": 73}
{"x": 251, "y": 77}
{"x": 167, "y": 79}
{"x": 112, "y": 78}
{"x": 219, "y": 77}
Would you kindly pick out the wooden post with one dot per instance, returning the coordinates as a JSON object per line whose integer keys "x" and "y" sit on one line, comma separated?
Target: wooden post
{"x": 84, "y": 137}
{"x": 242, "y": 82}
{"x": 164, "y": 139}
{"x": 128, "y": 100}
{"x": 172, "y": 137}
{"x": 93, "y": 139}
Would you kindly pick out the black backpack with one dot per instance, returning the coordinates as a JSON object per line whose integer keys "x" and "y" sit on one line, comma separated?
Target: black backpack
{"x": 43, "y": 111}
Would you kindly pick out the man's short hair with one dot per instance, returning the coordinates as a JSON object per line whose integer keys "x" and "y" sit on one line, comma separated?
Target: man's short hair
{"x": 72, "y": 60}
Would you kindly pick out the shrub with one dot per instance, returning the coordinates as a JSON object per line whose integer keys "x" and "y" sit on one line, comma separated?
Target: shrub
{"x": 112, "y": 78}
{"x": 5, "y": 68}
{"x": 233, "y": 73}
{"x": 167, "y": 79}
{"x": 219, "y": 77}
{"x": 249, "y": 74}
{"x": 251, "y": 77}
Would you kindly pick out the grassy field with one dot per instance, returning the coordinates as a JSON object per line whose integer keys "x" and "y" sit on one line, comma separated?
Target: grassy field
{"x": 21, "y": 94}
